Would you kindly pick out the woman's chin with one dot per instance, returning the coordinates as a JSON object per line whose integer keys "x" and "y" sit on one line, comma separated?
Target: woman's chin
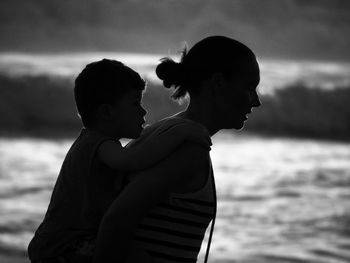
{"x": 239, "y": 127}
{"x": 238, "y": 124}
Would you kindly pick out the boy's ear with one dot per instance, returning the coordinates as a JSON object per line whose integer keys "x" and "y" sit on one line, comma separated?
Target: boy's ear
{"x": 103, "y": 111}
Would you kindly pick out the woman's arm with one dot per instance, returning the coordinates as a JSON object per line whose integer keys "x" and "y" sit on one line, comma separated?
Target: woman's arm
{"x": 157, "y": 146}
{"x": 146, "y": 190}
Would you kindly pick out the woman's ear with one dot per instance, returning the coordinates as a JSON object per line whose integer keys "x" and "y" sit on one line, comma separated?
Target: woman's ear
{"x": 218, "y": 82}
{"x": 218, "y": 79}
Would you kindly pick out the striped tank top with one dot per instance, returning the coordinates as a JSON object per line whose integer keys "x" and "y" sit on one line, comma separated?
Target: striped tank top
{"x": 174, "y": 230}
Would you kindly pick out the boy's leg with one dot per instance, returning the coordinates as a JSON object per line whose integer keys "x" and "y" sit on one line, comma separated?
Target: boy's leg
{"x": 51, "y": 260}
{"x": 81, "y": 252}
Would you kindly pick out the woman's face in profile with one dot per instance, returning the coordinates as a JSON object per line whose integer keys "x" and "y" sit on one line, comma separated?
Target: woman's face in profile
{"x": 237, "y": 97}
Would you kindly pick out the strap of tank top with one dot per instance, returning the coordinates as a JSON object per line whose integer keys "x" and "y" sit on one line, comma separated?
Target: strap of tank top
{"x": 213, "y": 221}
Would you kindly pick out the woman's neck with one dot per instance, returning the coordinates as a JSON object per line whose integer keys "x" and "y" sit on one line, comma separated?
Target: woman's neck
{"x": 201, "y": 112}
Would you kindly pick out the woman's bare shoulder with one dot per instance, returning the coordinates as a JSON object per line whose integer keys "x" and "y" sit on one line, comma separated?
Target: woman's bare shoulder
{"x": 182, "y": 166}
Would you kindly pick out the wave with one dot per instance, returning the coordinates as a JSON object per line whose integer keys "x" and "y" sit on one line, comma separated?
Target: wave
{"x": 16, "y": 192}
{"x": 44, "y": 106}
{"x": 274, "y": 72}
{"x": 304, "y": 112}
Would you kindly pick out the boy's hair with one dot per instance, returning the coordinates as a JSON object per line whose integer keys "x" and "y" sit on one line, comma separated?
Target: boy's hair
{"x": 103, "y": 82}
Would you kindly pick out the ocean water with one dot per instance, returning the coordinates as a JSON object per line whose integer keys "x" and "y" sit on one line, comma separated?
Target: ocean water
{"x": 279, "y": 200}
{"x": 275, "y": 73}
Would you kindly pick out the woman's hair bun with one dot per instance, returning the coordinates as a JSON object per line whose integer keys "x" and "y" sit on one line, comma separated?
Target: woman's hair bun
{"x": 170, "y": 72}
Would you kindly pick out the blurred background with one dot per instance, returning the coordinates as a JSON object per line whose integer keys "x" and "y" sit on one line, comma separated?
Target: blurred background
{"x": 283, "y": 182}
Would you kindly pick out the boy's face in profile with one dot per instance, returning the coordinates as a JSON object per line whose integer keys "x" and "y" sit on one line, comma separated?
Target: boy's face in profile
{"x": 127, "y": 115}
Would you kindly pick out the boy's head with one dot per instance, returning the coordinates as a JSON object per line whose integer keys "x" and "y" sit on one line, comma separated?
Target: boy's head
{"x": 107, "y": 88}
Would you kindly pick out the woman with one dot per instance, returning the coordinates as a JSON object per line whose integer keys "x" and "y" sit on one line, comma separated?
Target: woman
{"x": 162, "y": 214}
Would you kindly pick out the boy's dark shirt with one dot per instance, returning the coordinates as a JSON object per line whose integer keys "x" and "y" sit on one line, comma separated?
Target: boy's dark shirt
{"x": 83, "y": 191}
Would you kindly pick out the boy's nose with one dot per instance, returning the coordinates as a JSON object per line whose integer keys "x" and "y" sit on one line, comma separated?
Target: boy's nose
{"x": 143, "y": 111}
{"x": 255, "y": 101}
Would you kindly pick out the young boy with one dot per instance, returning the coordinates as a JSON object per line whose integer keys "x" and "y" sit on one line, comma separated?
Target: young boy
{"x": 108, "y": 98}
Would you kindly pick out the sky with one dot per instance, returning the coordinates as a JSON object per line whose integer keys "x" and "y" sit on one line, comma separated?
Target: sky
{"x": 299, "y": 29}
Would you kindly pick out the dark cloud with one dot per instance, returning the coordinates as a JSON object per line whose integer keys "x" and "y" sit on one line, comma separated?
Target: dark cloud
{"x": 316, "y": 29}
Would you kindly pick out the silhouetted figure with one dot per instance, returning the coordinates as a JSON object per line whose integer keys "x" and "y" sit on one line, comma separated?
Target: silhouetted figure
{"x": 162, "y": 214}
{"x": 108, "y": 98}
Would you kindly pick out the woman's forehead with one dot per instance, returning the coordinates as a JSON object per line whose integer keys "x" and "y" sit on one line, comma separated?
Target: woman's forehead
{"x": 250, "y": 66}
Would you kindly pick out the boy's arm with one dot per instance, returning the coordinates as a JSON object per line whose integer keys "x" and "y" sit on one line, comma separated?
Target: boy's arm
{"x": 154, "y": 148}
{"x": 148, "y": 188}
